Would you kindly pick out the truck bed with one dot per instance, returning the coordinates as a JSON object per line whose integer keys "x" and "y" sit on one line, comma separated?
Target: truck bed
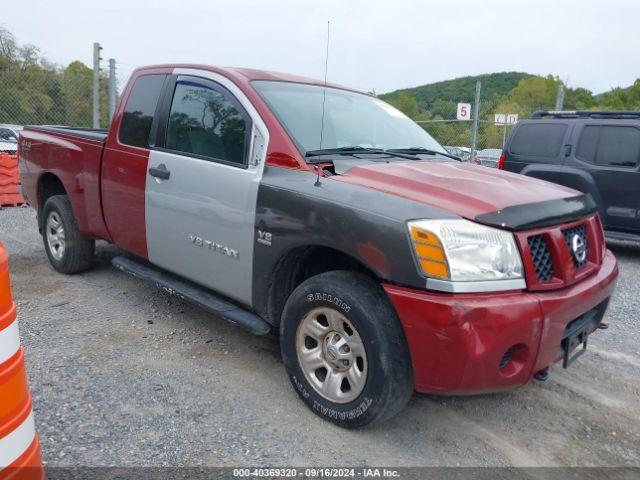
{"x": 71, "y": 156}
{"x": 95, "y": 134}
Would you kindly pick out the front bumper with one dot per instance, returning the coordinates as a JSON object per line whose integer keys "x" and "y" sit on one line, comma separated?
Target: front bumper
{"x": 458, "y": 341}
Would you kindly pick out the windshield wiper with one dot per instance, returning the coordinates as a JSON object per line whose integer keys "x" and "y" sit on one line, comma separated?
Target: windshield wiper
{"x": 355, "y": 150}
{"x": 341, "y": 151}
{"x": 426, "y": 151}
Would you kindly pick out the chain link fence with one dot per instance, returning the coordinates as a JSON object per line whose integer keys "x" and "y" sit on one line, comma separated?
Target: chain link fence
{"x": 45, "y": 94}
{"x": 49, "y": 95}
{"x": 36, "y": 91}
{"x": 457, "y": 134}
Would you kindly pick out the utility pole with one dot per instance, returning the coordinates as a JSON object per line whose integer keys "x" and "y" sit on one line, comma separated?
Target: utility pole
{"x": 560, "y": 98}
{"x": 112, "y": 87}
{"x": 96, "y": 84}
{"x": 476, "y": 112}
{"x": 504, "y": 134}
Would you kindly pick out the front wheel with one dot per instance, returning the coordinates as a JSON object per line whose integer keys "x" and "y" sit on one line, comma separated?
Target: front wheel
{"x": 68, "y": 250}
{"x": 344, "y": 349}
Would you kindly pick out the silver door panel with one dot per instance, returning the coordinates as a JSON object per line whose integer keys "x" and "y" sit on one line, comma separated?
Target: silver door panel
{"x": 200, "y": 222}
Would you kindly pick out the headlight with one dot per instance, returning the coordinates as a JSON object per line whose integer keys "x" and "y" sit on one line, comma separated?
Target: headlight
{"x": 462, "y": 251}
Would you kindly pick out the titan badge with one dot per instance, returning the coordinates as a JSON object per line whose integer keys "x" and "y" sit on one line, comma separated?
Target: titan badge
{"x": 213, "y": 246}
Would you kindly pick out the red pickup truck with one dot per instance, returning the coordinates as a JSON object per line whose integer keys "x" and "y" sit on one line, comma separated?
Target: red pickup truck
{"x": 325, "y": 214}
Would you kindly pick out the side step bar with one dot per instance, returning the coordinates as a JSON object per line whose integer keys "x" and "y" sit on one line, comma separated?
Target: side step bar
{"x": 194, "y": 294}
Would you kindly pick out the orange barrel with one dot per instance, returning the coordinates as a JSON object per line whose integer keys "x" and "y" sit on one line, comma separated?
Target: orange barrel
{"x": 9, "y": 180}
{"x": 19, "y": 448}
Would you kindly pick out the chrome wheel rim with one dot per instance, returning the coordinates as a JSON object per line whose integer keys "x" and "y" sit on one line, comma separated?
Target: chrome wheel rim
{"x": 331, "y": 355}
{"x": 55, "y": 236}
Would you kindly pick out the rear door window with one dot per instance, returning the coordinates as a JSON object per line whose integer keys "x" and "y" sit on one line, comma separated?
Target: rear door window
{"x": 588, "y": 143}
{"x": 206, "y": 121}
{"x": 140, "y": 109}
{"x": 619, "y": 146}
{"x": 542, "y": 140}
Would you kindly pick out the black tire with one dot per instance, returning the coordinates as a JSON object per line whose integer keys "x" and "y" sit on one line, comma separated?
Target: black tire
{"x": 78, "y": 249}
{"x": 389, "y": 377}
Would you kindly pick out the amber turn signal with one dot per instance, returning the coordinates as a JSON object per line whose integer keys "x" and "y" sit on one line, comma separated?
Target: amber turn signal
{"x": 430, "y": 253}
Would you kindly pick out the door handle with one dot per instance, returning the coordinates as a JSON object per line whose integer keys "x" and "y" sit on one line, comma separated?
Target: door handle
{"x": 160, "y": 172}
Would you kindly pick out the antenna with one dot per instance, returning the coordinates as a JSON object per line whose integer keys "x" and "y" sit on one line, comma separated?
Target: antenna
{"x": 324, "y": 98}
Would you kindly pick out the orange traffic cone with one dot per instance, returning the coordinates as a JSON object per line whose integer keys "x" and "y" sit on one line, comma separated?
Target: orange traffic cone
{"x": 19, "y": 448}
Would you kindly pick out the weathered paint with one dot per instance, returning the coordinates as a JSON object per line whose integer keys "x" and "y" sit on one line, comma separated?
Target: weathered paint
{"x": 366, "y": 224}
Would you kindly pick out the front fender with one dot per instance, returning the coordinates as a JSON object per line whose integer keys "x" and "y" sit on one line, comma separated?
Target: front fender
{"x": 365, "y": 224}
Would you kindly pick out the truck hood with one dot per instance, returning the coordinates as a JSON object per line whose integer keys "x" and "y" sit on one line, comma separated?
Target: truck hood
{"x": 460, "y": 188}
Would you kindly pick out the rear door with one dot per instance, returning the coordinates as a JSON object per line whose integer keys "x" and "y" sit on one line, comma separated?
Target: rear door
{"x": 611, "y": 153}
{"x": 124, "y": 161}
{"x": 536, "y": 143}
{"x": 202, "y": 183}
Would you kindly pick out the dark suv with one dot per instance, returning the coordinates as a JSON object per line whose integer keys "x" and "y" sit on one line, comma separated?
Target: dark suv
{"x": 596, "y": 152}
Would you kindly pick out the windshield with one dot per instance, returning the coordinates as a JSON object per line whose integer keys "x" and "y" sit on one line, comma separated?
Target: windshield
{"x": 350, "y": 119}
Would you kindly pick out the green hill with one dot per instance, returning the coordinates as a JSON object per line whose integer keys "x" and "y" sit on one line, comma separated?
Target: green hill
{"x": 461, "y": 89}
{"x": 515, "y": 92}
{"x": 435, "y": 104}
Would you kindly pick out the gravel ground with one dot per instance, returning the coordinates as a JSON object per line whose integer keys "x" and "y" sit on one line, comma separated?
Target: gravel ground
{"x": 123, "y": 374}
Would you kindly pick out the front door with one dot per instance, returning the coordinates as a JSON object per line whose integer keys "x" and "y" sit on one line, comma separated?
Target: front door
{"x": 202, "y": 185}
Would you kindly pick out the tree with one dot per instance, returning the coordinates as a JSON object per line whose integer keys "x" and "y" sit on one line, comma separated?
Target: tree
{"x": 77, "y": 82}
{"x": 579, "y": 99}
{"x": 35, "y": 91}
{"x": 8, "y": 47}
{"x": 536, "y": 93}
{"x": 405, "y": 103}
{"x": 622, "y": 98}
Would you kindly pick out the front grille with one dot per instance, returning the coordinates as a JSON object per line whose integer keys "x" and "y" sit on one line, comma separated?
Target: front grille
{"x": 541, "y": 257}
{"x": 569, "y": 235}
{"x": 559, "y": 256}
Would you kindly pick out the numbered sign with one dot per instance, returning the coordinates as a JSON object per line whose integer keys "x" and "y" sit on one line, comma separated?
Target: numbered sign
{"x": 464, "y": 111}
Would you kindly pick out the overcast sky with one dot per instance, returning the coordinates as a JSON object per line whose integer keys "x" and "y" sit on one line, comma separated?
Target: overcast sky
{"x": 373, "y": 44}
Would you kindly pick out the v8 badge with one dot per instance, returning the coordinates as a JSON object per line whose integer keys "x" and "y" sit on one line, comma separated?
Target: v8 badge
{"x": 264, "y": 238}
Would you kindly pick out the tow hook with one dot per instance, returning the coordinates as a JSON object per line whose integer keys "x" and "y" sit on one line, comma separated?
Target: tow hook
{"x": 603, "y": 326}
{"x": 542, "y": 375}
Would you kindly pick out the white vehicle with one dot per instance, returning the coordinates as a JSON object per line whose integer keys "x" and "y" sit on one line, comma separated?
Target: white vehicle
{"x": 488, "y": 157}
{"x": 9, "y": 138}
{"x": 461, "y": 152}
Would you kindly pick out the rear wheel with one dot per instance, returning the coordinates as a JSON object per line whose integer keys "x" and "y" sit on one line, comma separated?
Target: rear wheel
{"x": 345, "y": 350}
{"x": 68, "y": 250}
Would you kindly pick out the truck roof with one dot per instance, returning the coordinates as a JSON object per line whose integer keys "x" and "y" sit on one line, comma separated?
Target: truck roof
{"x": 246, "y": 75}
